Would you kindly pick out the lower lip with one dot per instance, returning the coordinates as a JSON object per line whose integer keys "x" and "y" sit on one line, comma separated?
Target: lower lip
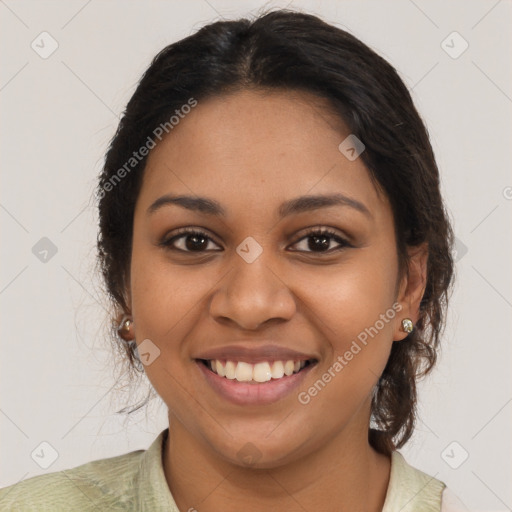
{"x": 260, "y": 393}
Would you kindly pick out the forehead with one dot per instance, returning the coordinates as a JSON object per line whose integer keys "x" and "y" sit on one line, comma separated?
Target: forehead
{"x": 262, "y": 145}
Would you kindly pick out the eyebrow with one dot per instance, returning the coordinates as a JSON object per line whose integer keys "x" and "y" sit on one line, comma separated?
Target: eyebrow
{"x": 293, "y": 206}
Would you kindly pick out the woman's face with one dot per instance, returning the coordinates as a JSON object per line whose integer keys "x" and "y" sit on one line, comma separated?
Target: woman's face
{"x": 253, "y": 290}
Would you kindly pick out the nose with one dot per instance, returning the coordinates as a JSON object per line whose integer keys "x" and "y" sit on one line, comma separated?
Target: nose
{"x": 252, "y": 294}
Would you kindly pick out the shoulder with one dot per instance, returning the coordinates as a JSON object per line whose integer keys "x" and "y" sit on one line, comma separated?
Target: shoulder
{"x": 451, "y": 502}
{"x": 412, "y": 490}
{"x": 133, "y": 481}
{"x": 96, "y": 485}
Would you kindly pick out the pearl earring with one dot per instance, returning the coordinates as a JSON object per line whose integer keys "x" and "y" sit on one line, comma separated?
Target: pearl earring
{"x": 125, "y": 327}
{"x": 407, "y": 325}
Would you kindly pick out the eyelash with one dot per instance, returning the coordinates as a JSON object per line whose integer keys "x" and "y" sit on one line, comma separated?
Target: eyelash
{"x": 183, "y": 232}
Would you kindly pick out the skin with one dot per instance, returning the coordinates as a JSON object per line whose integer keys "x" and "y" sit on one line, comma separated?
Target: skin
{"x": 250, "y": 151}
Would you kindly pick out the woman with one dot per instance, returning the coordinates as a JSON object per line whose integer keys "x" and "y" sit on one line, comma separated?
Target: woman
{"x": 274, "y": 241}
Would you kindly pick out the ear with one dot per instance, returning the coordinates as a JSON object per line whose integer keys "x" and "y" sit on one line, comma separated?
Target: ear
{"x": 127, "y": 296}
{"x": 126, "y": 330}
{"x": 412, "y": 287}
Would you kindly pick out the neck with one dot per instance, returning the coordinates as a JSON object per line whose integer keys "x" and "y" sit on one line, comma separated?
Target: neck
{"x": 344, "y": 474}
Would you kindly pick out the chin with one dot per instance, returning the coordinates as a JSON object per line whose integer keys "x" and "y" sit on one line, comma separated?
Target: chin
{"x": 259, "y": 451}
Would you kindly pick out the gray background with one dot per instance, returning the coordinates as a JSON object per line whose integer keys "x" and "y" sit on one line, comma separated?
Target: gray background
{"x": 58, "y": 376}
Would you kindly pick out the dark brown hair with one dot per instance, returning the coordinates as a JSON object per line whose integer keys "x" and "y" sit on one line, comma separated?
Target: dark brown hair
{"x": 289, "y": 50}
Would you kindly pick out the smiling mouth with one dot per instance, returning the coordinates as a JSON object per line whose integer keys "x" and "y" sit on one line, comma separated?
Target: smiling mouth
{"x": 258, "y": 373}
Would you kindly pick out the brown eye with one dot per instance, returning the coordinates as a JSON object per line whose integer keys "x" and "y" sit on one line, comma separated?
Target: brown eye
{"x": 320, "y": 241}
{"x": 189, "y": 240}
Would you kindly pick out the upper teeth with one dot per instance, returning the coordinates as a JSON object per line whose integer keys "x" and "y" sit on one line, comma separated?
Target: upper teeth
{"x": 260, "y": 372}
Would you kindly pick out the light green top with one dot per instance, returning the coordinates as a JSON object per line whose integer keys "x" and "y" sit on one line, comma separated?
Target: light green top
{"x": 136, "y": 481}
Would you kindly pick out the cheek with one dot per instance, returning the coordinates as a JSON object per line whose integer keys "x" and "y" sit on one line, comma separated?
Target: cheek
{"x": 354, "y": 308}
{"x": 351, "y": 297}
{"x": 165, "y": 306}
{"x": 163, "y": 297}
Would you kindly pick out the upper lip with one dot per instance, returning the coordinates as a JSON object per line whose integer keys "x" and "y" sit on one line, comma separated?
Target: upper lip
{"x": 254, "y": 354}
